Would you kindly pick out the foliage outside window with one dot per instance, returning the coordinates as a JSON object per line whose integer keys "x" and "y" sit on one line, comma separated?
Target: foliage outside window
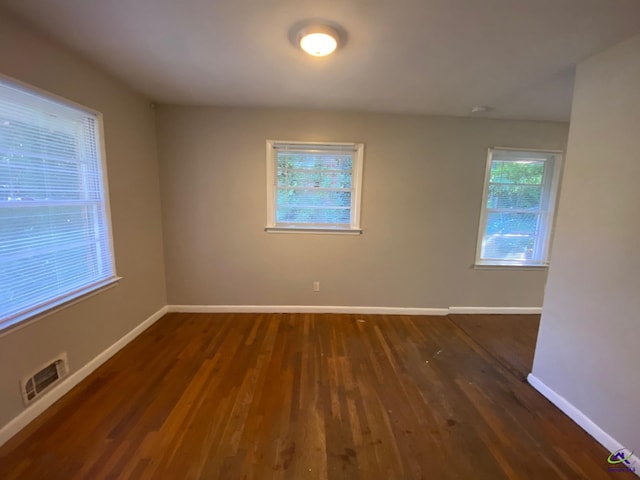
{"x": 518, "y": 207}
{"x": 55, "y": 242}
{"x": 313, "y": 186}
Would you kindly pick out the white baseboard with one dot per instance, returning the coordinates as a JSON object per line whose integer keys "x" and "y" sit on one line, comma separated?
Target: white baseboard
{"x": 348, "y": 309}
{"x": 306, "y": 309}
{"x": 34, "y": 410}
{"x": 496, "y": 310}
{"x": 588, "y": 425}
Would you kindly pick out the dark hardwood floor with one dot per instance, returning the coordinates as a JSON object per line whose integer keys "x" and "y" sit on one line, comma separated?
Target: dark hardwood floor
{"x": 510, "y": 339}
{"x": 310, "y": 396}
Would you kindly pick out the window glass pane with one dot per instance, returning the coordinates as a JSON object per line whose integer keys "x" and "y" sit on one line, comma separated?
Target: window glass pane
{"x": 514, "y": 223}
{"x": 44, "y": 137}
{"x": 48, "y": 273}
{"x": 527, "y": 172}
{"x": 510, "y": 236}
{"x": 321, "y": 198}
{"x": 511, "y": 247}
{"x": 526, "y": 197}
{"x": 302, "y": 215}
{"x": 29, "y": 178}
{"x": 317, "y": 161}
{"x": 314, "y": 178}
{"x": 25, "y": 228}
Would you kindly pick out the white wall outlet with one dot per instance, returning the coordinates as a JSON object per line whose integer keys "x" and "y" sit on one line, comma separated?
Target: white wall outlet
{"x": 316, "y": 286}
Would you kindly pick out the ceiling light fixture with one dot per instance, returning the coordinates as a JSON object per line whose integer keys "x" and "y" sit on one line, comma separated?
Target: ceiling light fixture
{"x": 482, "y": 109}
{"x": 318, "y": 40}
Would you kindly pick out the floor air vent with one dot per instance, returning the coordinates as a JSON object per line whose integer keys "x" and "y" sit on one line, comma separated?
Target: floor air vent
{"x": 44, "y": 379}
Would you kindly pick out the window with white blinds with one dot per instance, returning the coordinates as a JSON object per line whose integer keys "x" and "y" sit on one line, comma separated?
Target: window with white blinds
{"x": 314, "y": 186}
{"x": 55, "y": 241}
{"x": 518, "y": 207}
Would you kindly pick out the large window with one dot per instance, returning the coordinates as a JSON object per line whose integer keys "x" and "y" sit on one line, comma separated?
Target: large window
{"x": 517, "y": 208}
{"x": 314, "y": 186}
{"x": 55, "y": 242}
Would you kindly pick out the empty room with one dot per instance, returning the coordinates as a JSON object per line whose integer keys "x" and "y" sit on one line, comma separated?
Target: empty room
{"x": 344, "y": 239}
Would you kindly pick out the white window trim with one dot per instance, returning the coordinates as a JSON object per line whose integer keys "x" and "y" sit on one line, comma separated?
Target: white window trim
{"x": 16, "y": 322}
{"x": 356, "y": 189}
{"x": 552, "y": 175}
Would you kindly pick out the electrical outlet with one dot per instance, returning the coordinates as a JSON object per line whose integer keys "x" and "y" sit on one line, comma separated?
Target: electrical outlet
{"x": 316, "y": 286}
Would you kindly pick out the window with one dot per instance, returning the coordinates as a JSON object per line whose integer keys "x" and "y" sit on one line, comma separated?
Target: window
{"x": 55, "y": 242}
{"x": 314, "y": 186}
{"x": 517, "y": 208}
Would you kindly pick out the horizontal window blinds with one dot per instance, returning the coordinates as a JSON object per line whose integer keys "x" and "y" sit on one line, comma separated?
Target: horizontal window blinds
{"x": 314, "y": 185}
{"x": 54, "y": 230}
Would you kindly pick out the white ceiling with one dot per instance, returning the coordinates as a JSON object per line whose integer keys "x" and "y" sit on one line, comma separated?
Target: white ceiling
{"x": 410, "y": 56}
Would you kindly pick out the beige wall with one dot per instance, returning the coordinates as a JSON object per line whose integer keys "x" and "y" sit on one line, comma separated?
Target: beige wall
{"x": 423, "y": 179}
{"x": 588, "y": 345}
{"x": 89, "y": 327}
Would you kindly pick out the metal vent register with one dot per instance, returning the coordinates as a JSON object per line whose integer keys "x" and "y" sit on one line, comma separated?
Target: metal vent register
{"x": 44, "y": 379}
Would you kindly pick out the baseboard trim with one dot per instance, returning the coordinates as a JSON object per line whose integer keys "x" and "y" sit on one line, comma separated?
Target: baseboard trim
{"x": 496, "y": 310}
{"x": 34, "y": 410}
{"x": 588, "y": 425}
{"x": 349, "y": 309}
{"x": 306, "y": 309}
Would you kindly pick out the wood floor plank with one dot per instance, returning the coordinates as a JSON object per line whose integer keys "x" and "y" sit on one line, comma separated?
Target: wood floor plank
{"x": 311, "y": 396}
{"x": 510, "y": 339}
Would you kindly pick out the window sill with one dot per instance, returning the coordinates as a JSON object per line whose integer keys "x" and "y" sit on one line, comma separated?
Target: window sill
{"x": 33, "y": 316}
{"x": 507, "y": 266}
{"x": 317, "y": 231}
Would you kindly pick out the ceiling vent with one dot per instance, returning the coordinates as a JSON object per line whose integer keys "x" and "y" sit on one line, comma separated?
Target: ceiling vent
{"x": 40, "y": 382}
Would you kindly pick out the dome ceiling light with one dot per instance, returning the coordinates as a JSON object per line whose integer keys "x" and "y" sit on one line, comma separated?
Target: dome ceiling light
{"x": 318, "y": 40}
